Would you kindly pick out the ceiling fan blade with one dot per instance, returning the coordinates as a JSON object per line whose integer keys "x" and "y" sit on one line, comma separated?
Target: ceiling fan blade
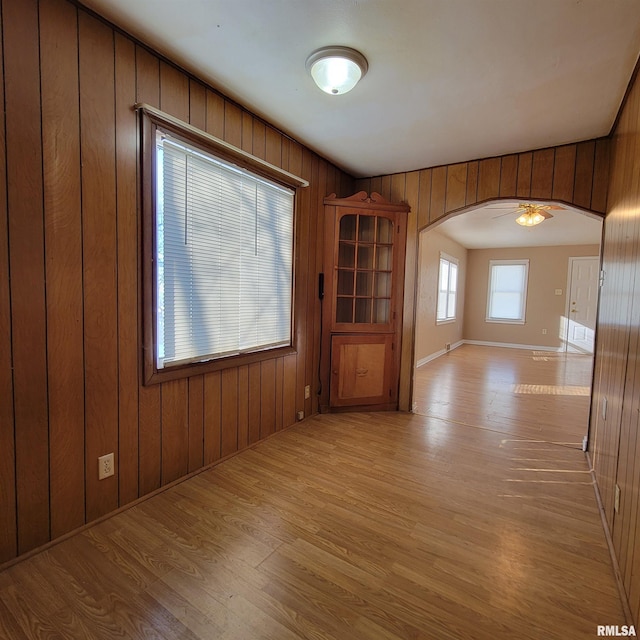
{"x": 541, "y": 207}
{"x": 523, "y": 208}
{"x": 500, "y": 203}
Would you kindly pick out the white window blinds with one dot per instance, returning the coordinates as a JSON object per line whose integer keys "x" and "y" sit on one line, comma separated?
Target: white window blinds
{"x": 507, "y": 290}
{"x": 224, "y": 252}
{"x": 447, "y": 289}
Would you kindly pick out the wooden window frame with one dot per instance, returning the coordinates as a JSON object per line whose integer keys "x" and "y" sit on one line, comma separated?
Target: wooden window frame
{"x": 152, "y": 120}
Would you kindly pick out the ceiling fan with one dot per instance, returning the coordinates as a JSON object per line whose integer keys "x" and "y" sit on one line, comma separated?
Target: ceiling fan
{"x": 531, "y": 214}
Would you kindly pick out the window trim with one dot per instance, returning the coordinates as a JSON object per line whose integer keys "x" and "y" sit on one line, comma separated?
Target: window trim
{"x": 523, "y": 309}
{"x": 451, "y": 260}
{"x": 152, "y": 120}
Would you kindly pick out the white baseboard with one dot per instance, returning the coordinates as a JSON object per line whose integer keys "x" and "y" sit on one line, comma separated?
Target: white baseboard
{"x": 483, "y": 343}
{"x": 437, "y": 354}
{"x": 429, "y": 358}
{"x": 510, "y": 345}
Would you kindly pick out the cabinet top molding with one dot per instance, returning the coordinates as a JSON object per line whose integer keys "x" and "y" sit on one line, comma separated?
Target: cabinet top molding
{"x": 364, "y": 200}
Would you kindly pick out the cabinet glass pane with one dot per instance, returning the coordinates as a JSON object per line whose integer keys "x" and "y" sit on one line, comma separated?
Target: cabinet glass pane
{"x": 383, "y": 285}
{"x": 365, "y": 262}
{"x": 364, "y": 283}
{"x": 363, "y": 310}
{"x": 385, "y": 231}
{"x": 346, "y": 255}
{"x": 383, "y": 258}
{"x": 345, "y": 283}
{"x": 367, "y": 229}
{"x": 365, "y": 256}
{"x": 381, "y": 309}
{"x": 344, "y": 310}
{"x": 348, "y": 227}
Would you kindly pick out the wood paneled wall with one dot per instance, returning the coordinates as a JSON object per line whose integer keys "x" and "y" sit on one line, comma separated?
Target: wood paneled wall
{"x": 615, "y": 442}
{"x": 70, "y": 288}
{"x": 576, "y": 174}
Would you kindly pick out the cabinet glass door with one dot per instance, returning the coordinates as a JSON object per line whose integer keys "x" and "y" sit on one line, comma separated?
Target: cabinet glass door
{"x": 365, "y": 259}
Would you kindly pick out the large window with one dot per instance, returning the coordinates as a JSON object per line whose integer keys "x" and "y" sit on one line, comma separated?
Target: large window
{"x": 222, "y": 256}
{"x": 447, "y": 289}
{"x": 507, "y": 291}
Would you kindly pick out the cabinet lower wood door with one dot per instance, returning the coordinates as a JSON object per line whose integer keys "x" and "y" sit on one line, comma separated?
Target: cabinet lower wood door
{"x": 361, "y": 367}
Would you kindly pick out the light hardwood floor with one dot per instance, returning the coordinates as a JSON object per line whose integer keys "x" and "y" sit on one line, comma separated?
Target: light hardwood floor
{"x": 538, "y": 395}
{"x": 353, "y": 526}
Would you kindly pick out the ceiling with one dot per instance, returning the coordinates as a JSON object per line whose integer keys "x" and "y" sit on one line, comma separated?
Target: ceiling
{"x": 448, "y": 80}
{"x": 494, "y": 226}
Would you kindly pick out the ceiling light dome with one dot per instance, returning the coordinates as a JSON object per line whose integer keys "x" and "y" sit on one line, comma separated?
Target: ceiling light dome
{"x": 336, "y": 70}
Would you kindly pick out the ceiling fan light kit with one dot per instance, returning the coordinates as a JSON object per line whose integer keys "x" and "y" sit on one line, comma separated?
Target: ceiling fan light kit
{"x": 532, "y": 214}
{"x": 336, "y": 70}
{"x": 529, "y": 219}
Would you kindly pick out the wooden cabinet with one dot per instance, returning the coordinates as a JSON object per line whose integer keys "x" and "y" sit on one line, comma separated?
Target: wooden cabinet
{"x": 365, "y": 240}
{"x": 361, "y": 367}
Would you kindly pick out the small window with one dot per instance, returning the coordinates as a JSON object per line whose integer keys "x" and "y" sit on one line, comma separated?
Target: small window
{"x": 447, "y": 289}
{"x": 507, "y": 291}
{"x": 220, "y": 251}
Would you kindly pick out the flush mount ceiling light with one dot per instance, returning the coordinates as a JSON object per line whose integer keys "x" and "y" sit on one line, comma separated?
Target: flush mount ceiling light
{"x": 336, "y": 70}
{"x": 532, "y": 214}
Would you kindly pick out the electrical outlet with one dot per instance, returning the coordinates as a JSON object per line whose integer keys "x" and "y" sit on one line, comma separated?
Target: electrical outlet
{"x": 447, "y": 346}
{"x": 616, "y": 502}
{"x": 105, "y": 466}
{"x": 300, "y": 415}
{"x": 558, "y": 292}
{"x": 544, "y": 332}
{"x": 307, "y": 392}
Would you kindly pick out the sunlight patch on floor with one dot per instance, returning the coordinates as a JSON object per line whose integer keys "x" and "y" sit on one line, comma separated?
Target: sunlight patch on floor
{"x": 549, "y": 390}
{"x": 550, "y": 470}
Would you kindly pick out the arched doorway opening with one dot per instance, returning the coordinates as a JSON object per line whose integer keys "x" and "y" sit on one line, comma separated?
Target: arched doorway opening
{"x": 526, "y": 367}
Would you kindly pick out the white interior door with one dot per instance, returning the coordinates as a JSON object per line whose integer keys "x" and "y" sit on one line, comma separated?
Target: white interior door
{"x": 582, "y": 304}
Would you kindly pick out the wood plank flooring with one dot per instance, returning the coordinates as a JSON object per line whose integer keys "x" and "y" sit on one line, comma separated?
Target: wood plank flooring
{"x": 540, "y": 395}
{"x": 382, "y": 526}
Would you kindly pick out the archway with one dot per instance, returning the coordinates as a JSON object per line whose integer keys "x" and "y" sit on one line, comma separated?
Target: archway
{"x": 474, "y": 238}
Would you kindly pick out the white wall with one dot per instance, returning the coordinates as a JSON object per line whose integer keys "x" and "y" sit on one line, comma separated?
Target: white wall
{"x": 430, "y": 336}
{"x": 548, "y": 271}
